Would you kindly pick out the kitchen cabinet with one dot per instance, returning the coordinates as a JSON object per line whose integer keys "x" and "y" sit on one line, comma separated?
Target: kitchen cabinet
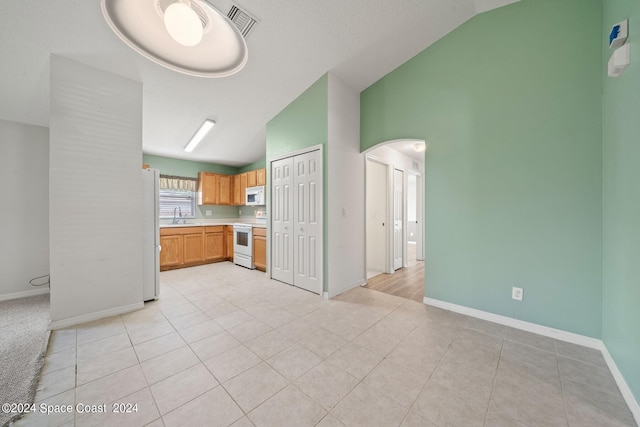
{"x": 190, "y": 246}
{"x": 193, "y": 247}
{"x": 251, "y": 178}
{"x": 218, "y": 189}
{"x": 171, "y": 253}
{"x": 225, "y": 190}
{"x": 207, "y": 188}
{"x": 214, "y": 249}
{"x": 261, "y": 176}
{"x": 229, "y": 242}
{"x": 260, "y": 248}
{"x": 214, "y": 189}
{"x": 241, "y": 182}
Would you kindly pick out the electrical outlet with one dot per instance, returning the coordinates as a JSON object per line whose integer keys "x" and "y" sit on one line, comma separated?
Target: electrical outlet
{"x": 239, "y": 212}
{"x": 208, "y": 213}
{"x": 517, "y": 293}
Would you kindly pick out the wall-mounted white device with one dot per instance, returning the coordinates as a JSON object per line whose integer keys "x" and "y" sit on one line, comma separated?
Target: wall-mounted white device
{"x": 619, "y": 61}
{"x": 618, "y": 34}
{"x": 254, "y": 196}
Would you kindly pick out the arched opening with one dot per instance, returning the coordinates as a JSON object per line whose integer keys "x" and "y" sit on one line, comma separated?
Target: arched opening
{"x": 394, "y": 175}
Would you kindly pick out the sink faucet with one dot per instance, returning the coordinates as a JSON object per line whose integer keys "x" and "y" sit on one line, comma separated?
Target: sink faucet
{"x": 176, "y": 220}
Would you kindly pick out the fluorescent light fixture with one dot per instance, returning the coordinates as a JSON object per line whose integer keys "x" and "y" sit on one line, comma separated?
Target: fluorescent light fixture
{"x": 195, "y": 139}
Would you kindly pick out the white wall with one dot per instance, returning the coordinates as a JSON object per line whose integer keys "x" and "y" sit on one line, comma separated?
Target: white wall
{"x": 24, "y": 222}
{"x": 345, "y": 180}
{"x": 95, "y": 193}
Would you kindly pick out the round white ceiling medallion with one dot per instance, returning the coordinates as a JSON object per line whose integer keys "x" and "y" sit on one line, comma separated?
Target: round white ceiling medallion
{"x": 203, "y": 42}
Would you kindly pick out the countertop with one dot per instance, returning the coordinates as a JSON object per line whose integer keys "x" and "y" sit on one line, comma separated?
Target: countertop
{"x": 231, "y": 221}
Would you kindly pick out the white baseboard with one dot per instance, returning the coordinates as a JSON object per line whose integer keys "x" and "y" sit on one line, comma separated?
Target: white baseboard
{"x": 71, "y": 321}
{"x": 634, "y": 407}
{"x": 518, "y": 324}
{"x": 559, "y": 334}
{"x": 24, "y": 294}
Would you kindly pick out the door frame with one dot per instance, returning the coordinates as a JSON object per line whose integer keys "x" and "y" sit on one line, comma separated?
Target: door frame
{"x": 320, "y": 148}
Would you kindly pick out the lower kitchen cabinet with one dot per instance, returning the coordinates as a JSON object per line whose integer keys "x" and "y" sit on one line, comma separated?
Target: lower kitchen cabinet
{"x": 260, "y": 248}
{"x": 214, "y": 249}
{"x": 193, "y": 250}
{"x": 171, "y": 253}
{"x": 229, "y": 242}
{"x": 190, "y": 246}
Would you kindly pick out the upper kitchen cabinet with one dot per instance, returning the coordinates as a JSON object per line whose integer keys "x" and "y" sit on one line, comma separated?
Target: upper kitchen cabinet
{"x": 225, "y": 190}
{"x": 240, "y": 189}
{"x": 261, "y": 176}
{"x": 251, "y": 178}
{"x": 207, "y": 188}
{"x": 218, "y": 189}
{"x": 214, "y": 189}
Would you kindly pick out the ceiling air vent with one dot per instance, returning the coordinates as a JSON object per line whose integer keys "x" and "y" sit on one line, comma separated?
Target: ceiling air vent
{"x": 242, "y": 19}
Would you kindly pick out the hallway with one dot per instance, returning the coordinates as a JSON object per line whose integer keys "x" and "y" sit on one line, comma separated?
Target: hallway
{"x": 406, "y": 282}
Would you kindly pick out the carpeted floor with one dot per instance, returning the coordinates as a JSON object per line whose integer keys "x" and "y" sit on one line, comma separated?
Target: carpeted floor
{"x": 23, "y": 343}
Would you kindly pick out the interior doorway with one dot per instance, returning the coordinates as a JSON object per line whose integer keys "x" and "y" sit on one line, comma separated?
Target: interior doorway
{"x": 394, "y": 206}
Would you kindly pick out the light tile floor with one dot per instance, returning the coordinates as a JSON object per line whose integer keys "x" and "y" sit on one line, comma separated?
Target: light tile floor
{"x": 226, "y": 346}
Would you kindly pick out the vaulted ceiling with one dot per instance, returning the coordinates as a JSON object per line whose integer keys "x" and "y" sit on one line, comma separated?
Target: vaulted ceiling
{"x": 292, "y": 45}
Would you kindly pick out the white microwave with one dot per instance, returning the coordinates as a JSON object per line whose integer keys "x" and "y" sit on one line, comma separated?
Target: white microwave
{"x": 254, "y": 196}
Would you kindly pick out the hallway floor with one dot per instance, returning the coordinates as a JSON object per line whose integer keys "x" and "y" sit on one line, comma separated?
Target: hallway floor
{"x": 226, "y": 346}
{"x": 407, "y": 282}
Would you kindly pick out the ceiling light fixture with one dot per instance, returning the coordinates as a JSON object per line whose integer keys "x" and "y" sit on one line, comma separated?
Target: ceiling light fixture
{"x": 183, "y": 24}
{"x": 419, "y": 147}
{"x": 201, "y": 133}
{"x": 188, "y": 36}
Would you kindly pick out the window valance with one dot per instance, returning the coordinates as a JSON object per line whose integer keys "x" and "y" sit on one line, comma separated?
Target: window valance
{"x": 170, "y": 182}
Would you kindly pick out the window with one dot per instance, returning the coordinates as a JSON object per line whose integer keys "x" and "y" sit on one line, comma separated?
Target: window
{"x": 177, "y": 194}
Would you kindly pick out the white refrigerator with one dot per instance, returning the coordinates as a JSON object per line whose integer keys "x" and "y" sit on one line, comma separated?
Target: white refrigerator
{"x": 150, "y": 235}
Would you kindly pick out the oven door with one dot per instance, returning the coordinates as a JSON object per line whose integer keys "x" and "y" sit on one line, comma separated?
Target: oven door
{"x": 243, "y": 245}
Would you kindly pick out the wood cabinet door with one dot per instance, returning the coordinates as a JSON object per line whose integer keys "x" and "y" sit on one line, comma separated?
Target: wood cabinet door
{"x": 237, "y": 199}
{"x": 229, "y": 242}
{"x": 224, "y": 190}
{"x": 233, "y": 190}
{"x": 171, "y": 251}
{"x": 251, "y": 178}
{"x": 260, "y": 248}
{"x": 261, "y": 176}
{"x": 243, "y": 188}
{"x": 207, "y": 188}
{"x": 214, "y": 246}
{"x": 193, "y": 248}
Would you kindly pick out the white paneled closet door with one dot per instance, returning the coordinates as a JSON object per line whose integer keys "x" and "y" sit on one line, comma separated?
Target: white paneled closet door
{"x": 282, "y": 220}
{"x": 296, "y": 224}
{"x": 308, "y": 228}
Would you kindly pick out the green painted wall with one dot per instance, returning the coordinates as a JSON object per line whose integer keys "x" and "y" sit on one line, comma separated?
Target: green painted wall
{"x": 253, "y": 166}
{"x": 304, "y": 123}
{"x": 510, "y": 103}
{"x": 621, "y": 206}
{"x": 188, "y": 168}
